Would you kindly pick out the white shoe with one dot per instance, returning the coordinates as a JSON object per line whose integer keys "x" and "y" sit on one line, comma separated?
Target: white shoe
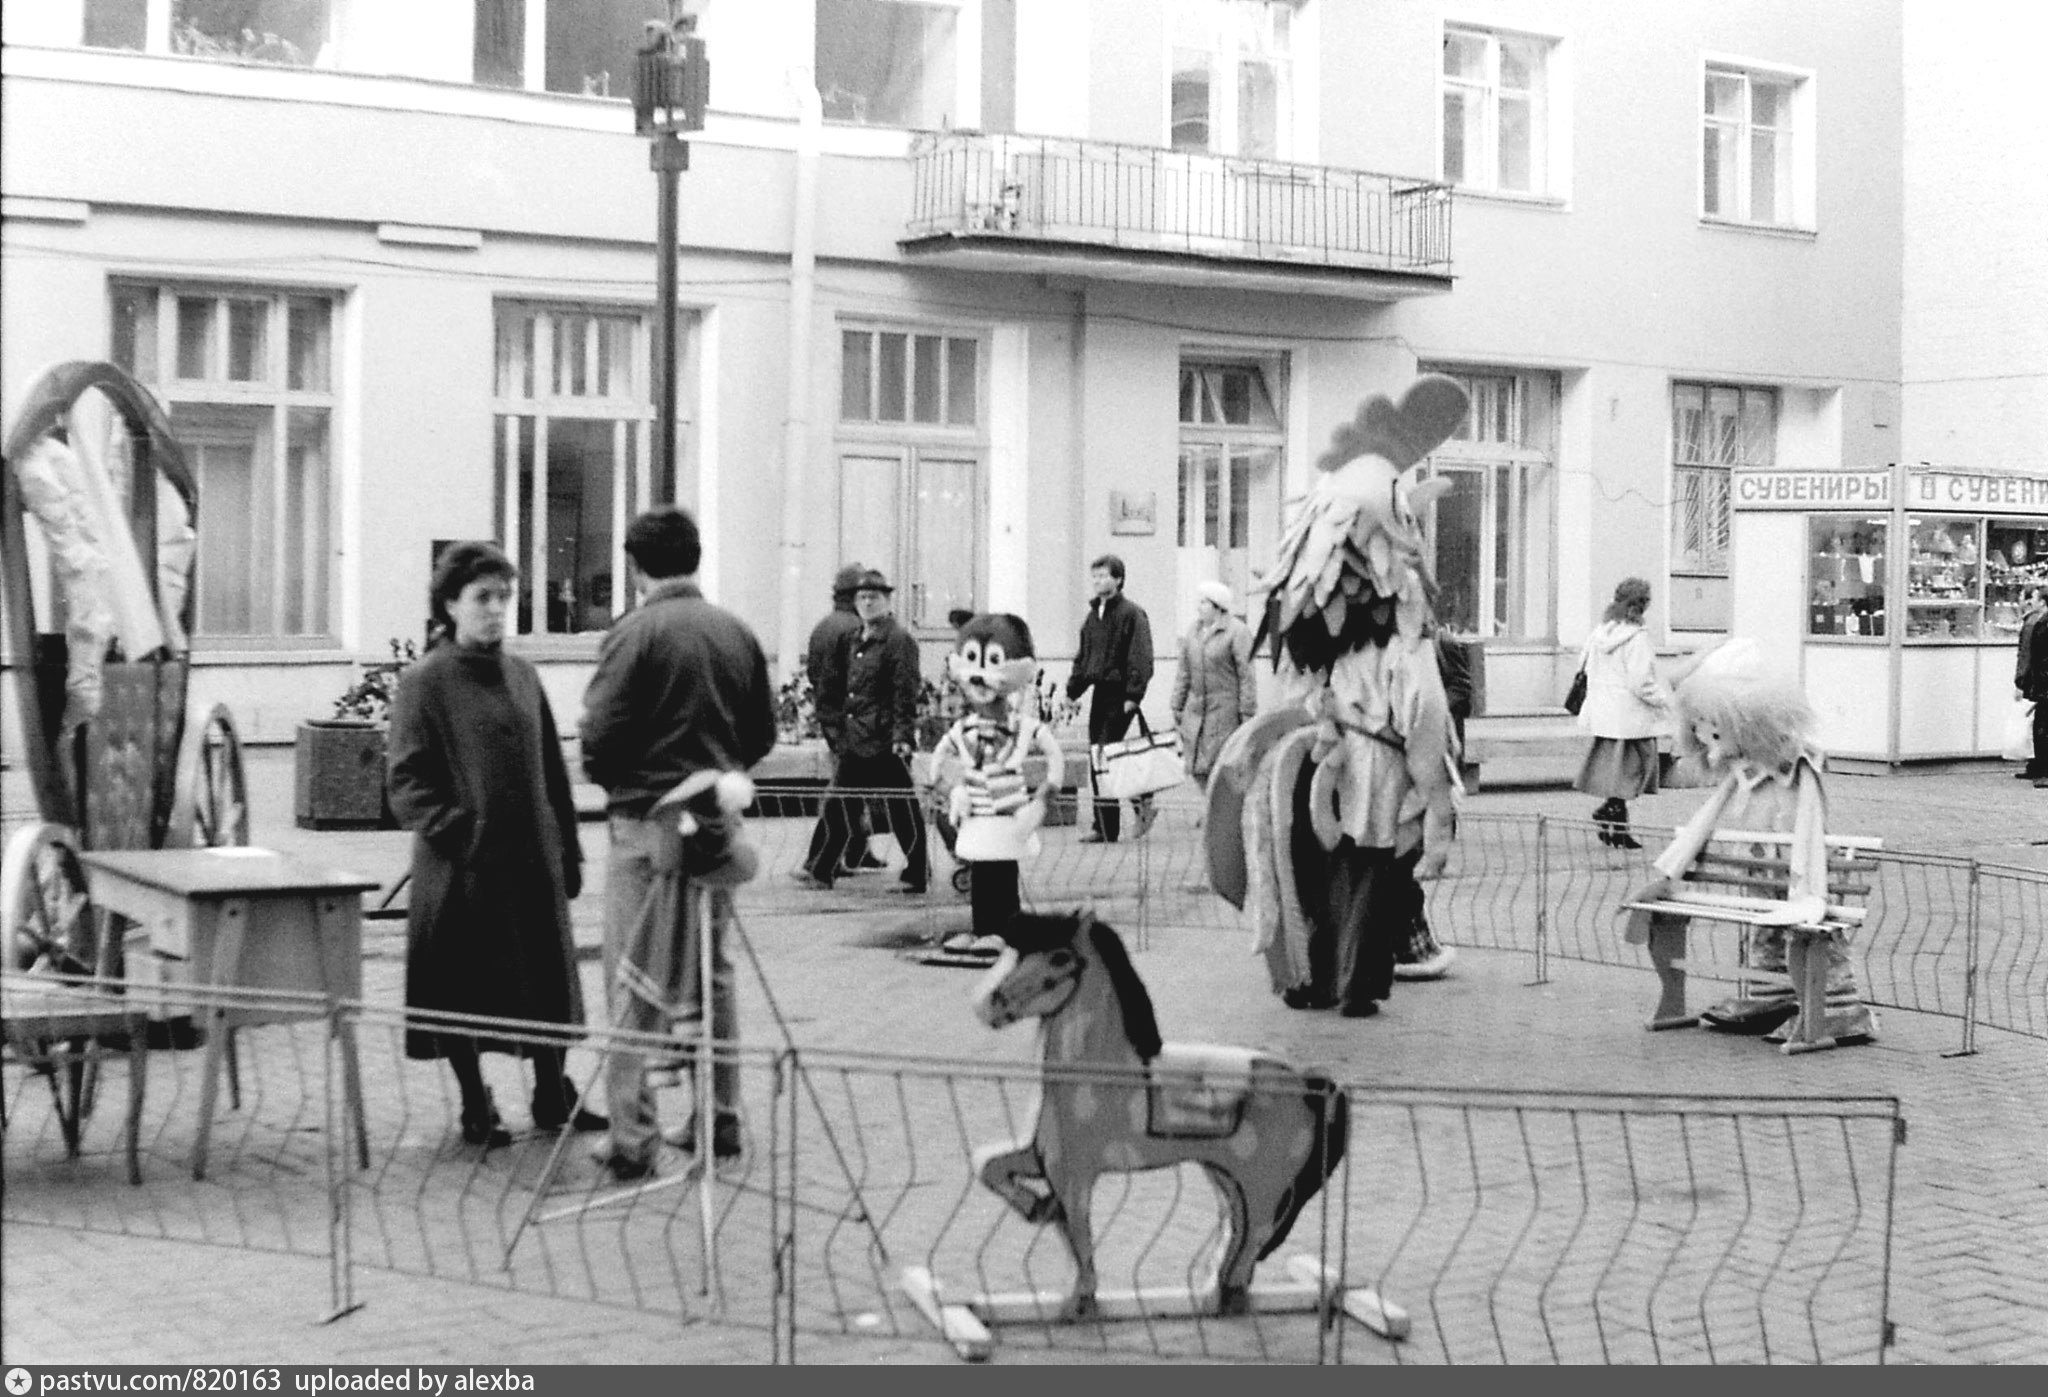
{"x": 1435, "y": 968}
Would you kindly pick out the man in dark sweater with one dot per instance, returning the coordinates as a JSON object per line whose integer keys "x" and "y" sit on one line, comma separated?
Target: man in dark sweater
{"x": 1115, "y": 660}
{"x": 681, "y": 688}
{"x": 882, "y": 686}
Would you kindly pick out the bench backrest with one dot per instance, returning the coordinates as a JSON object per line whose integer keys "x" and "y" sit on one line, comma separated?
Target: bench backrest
{"x": 1752, "y": 864}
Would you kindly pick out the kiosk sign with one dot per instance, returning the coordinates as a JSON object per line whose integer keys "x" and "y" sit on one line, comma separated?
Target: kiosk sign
{"x": 1815, "y": 490}
{"x": 1978, "y": 494}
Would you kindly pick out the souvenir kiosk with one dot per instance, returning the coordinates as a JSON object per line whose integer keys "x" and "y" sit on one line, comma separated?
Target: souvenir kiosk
{"x": 1895, "y": 595}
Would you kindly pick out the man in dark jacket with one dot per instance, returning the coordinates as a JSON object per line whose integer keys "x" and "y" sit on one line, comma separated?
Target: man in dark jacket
{"x": 825, "y": 663}
{"x": 681, "y": 688}
{"x": 882, "y": 685}
{"x": 1115, "y": 660}
{"x": 2030, "y": 677}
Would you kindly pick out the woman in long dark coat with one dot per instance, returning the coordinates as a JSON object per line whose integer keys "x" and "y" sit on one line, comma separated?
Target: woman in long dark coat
{"x": 476, "y": 773}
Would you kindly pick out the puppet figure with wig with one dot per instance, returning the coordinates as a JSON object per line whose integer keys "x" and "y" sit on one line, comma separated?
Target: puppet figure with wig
{"x": 1750, "y": 731}
{"x": 982, "y": 766}
{"x": 1326, "y": 810}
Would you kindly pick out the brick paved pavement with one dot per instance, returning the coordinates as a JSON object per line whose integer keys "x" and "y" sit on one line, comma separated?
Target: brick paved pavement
{"x": 1972, "y": 1217}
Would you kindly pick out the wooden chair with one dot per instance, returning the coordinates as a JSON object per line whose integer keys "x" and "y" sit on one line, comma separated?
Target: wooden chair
{"x": 62, "y": 1026}
{"x": 1741, "y": 878}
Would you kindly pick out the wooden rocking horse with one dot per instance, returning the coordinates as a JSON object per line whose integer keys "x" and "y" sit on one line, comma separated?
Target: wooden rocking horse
{"x": 1115, "y": 1099}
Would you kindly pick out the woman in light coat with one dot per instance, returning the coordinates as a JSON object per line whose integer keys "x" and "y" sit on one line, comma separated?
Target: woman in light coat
{"x": 1215, "y": 689}
{"x": 1627, "y": 709}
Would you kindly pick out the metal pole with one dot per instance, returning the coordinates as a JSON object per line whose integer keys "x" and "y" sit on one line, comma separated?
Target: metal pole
{"x": 1970, "y": 947}
{"x": 668, "y": 157}
{"x": 705, "y": 1088}
{"x": 1542, "y": 901}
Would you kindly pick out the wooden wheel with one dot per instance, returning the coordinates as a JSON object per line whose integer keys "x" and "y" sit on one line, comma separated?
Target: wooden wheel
{"x": 50, "y": 924}
{"x": 54, "y": 935}
{"x": 210, "y": 807}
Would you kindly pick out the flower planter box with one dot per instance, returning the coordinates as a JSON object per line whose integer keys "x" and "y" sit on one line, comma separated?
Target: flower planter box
{"x": 338, "y": 773}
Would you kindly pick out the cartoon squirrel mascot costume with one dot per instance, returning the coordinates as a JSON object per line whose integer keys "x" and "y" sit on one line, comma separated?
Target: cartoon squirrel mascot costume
{"x": 981, "y": 766}
{"x": 1325, "y": 811}
{"x": 1751, "y": 733}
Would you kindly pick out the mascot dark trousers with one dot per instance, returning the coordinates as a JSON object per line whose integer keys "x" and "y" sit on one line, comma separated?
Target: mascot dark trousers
{"x": 1107, "y": 722}
{"x": 1362, "y": 903}
{"x": 995, "y": 897}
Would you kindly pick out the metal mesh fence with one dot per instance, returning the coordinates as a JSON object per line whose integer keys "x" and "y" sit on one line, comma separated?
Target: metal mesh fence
{"x": 1510, "y": 1227}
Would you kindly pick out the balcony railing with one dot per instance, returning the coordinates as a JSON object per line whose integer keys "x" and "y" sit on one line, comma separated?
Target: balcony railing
{"x": 1144, "y": 199}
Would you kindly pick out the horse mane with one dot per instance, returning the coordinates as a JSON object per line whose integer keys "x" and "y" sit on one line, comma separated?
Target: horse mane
{"x": 1141, "y": 1025}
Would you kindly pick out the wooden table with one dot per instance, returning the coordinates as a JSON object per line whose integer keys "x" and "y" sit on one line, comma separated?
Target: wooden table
{"x": 242, "y": 919}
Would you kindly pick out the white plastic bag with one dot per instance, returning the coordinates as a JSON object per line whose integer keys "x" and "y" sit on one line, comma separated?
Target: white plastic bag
{"x": 1137, "y": 766}
{"x": 2019, "y": 732}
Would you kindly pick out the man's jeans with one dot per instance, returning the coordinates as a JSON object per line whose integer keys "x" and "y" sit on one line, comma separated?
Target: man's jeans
{"x": 651, "y": 924}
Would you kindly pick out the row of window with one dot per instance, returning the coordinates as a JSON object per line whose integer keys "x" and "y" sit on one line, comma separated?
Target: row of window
{"x": 1231, "y": 88}
{"x": 247, "y": 378}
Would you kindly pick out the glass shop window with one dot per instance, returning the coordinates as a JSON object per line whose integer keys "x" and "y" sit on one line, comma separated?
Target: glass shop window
{"x": 1845, "y": 576}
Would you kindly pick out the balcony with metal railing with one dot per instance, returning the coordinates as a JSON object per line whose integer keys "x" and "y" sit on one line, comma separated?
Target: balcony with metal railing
{"x": 1105, "y": 210}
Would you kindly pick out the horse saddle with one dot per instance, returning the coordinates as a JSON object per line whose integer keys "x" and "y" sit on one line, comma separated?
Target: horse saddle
{"x": 1197, "y": 1091}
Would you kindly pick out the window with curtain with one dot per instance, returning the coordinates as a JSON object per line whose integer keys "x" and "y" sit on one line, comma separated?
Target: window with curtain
{"x": 1231, "y": 450}
{"x": 591, "y": 43}
{"x": 1496, "y": 111}
{"x": 1231, "y": 90}
{"x": 498, "y": 43}
{"x": 1491, "y": 536}
{"x": 912, "y": 462}
{"x": 1715, "y": 429}
{"x": 247, "y": 376}
{"x": 890, "y": 62}
{"x": 572, "y": 431}
{"x": 291, "y": 32}
{"x": 1749, "y": 167}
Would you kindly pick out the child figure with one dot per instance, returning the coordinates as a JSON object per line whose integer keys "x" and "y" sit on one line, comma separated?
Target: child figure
{"x": 1753, "y": 732}
{"x": 981, "y": 762}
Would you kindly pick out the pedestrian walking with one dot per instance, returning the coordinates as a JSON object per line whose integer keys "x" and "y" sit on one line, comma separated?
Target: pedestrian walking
{"x": 2030, "y": 677}
{"x": 680, "y": 692}
{"x": 1114, "y": 660}
{"x": 1627, "y": 708}
{"x": 825, "y": 664}
{"x": 882, "y": 686}
{"x": 476, "y": 773}
{"x": 1215, "y": 689}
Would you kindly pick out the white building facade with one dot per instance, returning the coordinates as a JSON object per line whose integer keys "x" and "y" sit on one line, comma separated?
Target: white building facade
{"x": 977, "y": 290}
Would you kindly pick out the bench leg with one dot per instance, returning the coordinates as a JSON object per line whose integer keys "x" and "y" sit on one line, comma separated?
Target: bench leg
{"x": 1667, "y": 955}
{"x": 1806, "y": 959}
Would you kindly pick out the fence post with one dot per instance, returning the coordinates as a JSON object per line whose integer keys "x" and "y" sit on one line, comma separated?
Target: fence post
{"x": 1144, "y": 891}
{"x": 1970, "y": 937}
{"x": 782, "y": 1203}
{"x": 337, "y": 1122}
{"x": 1542, "y": 900}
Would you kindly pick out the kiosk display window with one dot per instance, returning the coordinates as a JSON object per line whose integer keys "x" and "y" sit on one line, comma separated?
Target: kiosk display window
{"x": 1944, "y": 578}
{"x": 1846, "y": 575}
{"x": 2015, "y": 558}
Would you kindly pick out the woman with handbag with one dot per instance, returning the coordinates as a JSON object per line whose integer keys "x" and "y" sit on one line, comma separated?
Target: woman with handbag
{"x": 1627, "y": 707}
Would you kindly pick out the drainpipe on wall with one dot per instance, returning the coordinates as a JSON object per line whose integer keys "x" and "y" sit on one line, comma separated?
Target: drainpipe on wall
{"x": 796, "y": 421}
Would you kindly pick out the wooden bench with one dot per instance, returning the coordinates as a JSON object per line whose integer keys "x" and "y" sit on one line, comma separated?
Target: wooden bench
{"x": 1741, "y": 878}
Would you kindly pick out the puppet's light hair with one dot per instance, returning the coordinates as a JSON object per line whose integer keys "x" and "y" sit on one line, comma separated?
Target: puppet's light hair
{"x": 1761, "y": 715}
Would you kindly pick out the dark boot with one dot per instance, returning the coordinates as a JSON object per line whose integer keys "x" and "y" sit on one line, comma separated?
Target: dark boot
{"x": 481, "y": 1124}
{"x": 1604, "y": 816}
{"x": 1621, "y": 838}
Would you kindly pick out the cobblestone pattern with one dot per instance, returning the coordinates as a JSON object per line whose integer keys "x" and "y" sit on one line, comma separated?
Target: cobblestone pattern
{"x": 1972, "y": 1200}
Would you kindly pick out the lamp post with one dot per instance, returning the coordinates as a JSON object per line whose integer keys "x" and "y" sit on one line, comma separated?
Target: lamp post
{"x": 671, "y": 85}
